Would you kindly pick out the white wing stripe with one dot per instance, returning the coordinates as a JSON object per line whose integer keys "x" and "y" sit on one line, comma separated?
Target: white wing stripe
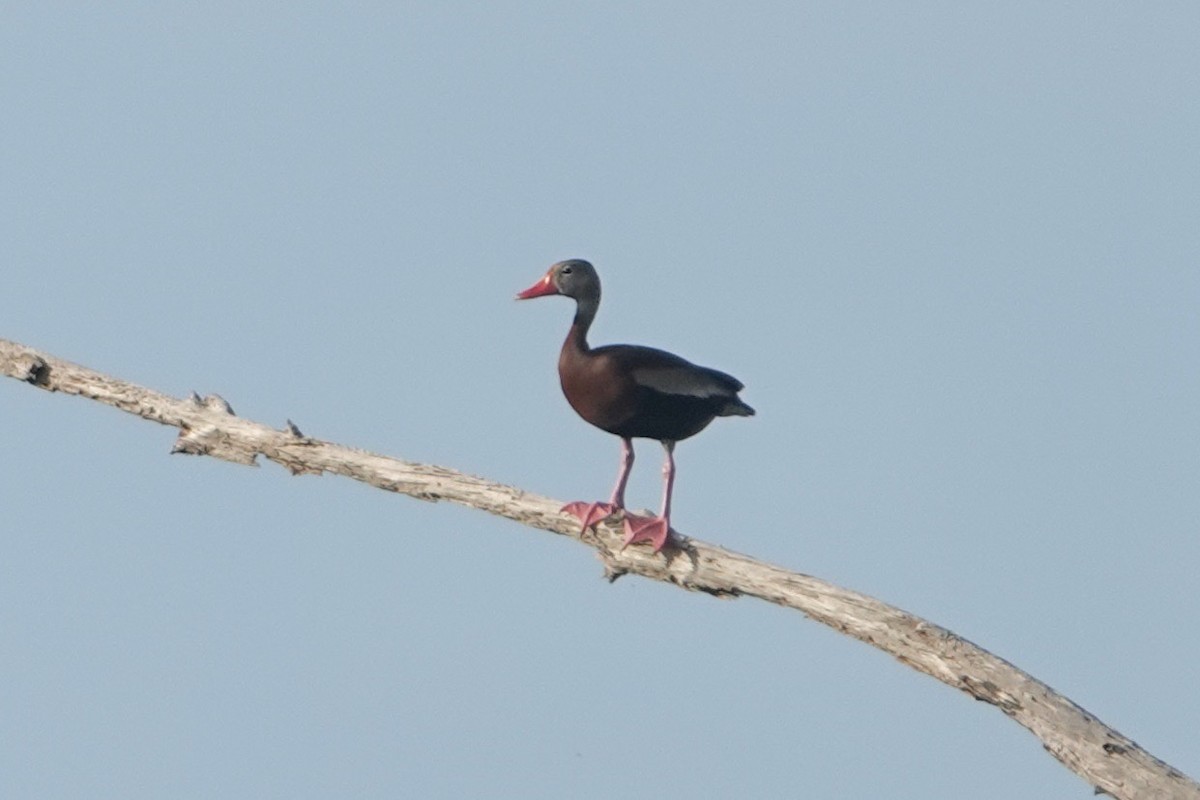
{"x": 670, "y": 380}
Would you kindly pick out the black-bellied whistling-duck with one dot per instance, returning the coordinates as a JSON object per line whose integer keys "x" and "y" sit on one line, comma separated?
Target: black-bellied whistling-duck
{"x": 632, "y": 391}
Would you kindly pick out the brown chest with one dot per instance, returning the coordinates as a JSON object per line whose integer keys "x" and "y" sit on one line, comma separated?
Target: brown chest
{"x": 597, "y": 389}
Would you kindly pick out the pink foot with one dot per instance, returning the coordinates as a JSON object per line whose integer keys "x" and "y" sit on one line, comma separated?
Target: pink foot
{"x": 590, "y": 513}
{"x": 655, "y": 530}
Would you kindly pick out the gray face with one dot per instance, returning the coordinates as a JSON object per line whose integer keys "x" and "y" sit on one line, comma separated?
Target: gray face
{"x": 575, "y": 278}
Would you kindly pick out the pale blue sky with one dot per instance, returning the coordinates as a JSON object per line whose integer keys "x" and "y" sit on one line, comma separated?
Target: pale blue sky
{"x": 952, "y": 250}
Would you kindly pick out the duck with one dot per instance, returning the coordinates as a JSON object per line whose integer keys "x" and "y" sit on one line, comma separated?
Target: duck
{"x": 632, "y": 392}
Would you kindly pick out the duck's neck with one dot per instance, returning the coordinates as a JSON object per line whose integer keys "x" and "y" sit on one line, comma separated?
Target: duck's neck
{"x": 585, "y": 312}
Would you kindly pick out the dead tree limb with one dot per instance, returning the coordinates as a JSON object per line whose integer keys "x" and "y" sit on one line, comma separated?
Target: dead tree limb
{"x": 1107, "y": 760}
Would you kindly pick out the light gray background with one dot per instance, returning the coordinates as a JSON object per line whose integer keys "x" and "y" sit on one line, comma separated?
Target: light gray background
{"x": 951, "y": 249}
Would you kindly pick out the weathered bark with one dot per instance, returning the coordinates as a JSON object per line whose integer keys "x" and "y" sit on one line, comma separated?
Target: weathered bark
{"x": 1100, "y": 755}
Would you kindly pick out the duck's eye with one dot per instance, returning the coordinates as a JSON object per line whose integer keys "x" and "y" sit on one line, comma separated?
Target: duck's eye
{"x": 566, "y": 270}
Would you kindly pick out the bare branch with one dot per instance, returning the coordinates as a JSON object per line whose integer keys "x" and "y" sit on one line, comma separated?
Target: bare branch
{"x": 1100, "y": 755}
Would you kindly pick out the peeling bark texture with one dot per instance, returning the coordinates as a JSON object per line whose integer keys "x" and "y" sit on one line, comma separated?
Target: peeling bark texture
{"x": 1110, "y": 762}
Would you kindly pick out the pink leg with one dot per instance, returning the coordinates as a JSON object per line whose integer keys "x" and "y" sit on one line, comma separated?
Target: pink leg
{"x": 655, "y": 530}
{"x": 618, "y": 495}
{"x": 591, "y": 513}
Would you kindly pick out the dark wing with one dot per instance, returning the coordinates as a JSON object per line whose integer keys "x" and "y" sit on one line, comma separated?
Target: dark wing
{"x": 671, "y": 375}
